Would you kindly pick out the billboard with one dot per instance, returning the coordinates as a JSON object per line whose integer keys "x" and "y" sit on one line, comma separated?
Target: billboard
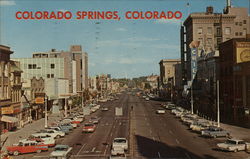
{"x": 194, "y": 53}
{"x": 242, "y": 52}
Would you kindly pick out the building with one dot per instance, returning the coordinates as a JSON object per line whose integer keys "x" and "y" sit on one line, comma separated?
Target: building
{"x": 167, "y": 70}
{"x": 10, "y": 91}
{"x": 167, "y": 77}
{"x": 235, "y": 81}
{"x": 205, "y": 87}
{"x": 210, "y": 29}
{"x": 45, "y": 68}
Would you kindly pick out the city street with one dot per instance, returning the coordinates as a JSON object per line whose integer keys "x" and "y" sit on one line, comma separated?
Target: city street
{"x": 150, "y": 135}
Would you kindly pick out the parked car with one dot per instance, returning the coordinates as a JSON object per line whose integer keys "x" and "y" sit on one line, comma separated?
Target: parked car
{"x": 89, "y": 127}
{"x": 234, "y": 145}
{"x": 66, "y": 125}
{"x": 120, "y": 142}
{"x": 170, "y": 106}
{"x": 53, "y": 133}
{"x": 61, "y": 152}
{"x": 160, "y": 111}
{"x": 26, "y": 147}
{"x": 60, "y": 128}
{"x": 213, "y": 131}
{"x": 45, "y": 139}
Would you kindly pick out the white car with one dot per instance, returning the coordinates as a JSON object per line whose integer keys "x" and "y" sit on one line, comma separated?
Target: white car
{"x": 53, "y": 133}
{"x": 117, "y": 150}
{"x": 233, "y": 145}
{"x": 120, "y": 142}
{"x": 160, "y": 111}
{"x": 61, "y": 152}
{"x": 46, "y": 139}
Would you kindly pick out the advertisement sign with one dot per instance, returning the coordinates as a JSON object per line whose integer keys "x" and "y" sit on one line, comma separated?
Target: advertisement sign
{"x": 39, "y": 100}
{"x": 7, "y": 110}
{"x": 242, "y": 52}
{"x": 194, "y": 53}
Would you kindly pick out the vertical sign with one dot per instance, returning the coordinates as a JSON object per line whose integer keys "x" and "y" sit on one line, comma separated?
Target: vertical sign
{"x": 194, "y": 52}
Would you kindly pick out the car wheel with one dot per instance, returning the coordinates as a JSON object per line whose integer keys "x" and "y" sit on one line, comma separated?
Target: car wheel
{"x": 15, "y": 153}
{"x": 58, "y": 136}
{"x": 38, "y": 151}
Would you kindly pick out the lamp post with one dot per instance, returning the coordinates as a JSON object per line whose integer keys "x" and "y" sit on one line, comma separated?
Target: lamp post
{"x": 218, "y": 103}
{"x": 70, "y": 104}
{"x": 46, "y": 113}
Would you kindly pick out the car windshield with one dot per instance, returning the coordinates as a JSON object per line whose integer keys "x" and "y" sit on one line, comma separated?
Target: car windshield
{"x": 230, "y": 142}
{"x": 120, "y": 141}
{"x": 88, "y": 125}
{"x": 61, "y": 149}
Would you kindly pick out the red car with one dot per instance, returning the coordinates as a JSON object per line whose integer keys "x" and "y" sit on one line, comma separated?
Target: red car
{"x": 88, "y": 127}
{"x": 26, "y": 147}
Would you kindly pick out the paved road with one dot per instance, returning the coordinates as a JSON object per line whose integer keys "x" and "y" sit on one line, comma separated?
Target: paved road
{"x": 150, "y": 135}
{"x": 164, "y": 136}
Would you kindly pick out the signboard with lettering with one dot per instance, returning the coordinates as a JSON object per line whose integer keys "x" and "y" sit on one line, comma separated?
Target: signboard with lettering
{"x": 194, "y": 53}
{"x": 39, "y": 100}
{"x": 7, "y": 110}
{"x": 242, "y": 52}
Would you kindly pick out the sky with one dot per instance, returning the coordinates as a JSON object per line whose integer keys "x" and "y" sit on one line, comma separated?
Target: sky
{"x": 124, "y": 48}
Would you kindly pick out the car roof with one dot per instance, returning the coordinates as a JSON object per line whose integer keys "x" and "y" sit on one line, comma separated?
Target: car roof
{"x": 61, "y": 146}
{"x": 233, "y": 139}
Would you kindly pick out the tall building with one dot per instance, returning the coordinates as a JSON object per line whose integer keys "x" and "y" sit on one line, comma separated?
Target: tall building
{"x": 10, "y": 92}
{"x": 211, "y": 29}
{"x": 235, "y": 81}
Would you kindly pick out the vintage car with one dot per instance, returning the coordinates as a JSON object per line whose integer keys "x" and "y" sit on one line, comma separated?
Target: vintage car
{"x": 120, "y": 142}
{"x": 214, "y": 131}
{"x": 89, "y": 127}
{"x": 234, "y": 145}
{"x": 26, "y": 147}
{"x": 61, "y": 152}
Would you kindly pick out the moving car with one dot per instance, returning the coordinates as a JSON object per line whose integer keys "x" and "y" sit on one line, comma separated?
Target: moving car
{"x": 26, "y": 147}
{"x": 53, "y": 133}
{"x": 49, "y": 141}
{"x": 94, "y": 120}
{"x": 234, "y": 145}
{"x": 89, "y": 127}
{"x": 160, "y": 111}
{"x": 213, "y": 131}
{"x": 105, "y": 109}
{"x": 61, "y": 152}
{"x": 121, "y": 143}
{"x": 60, "y": 128}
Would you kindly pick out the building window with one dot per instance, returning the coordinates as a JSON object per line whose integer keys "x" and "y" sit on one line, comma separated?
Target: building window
{"x": 199, "y": 30}
{"x": 52, "y": 75}
{"x": 34, "y": 66}
{"x": 48, "y": 75}
{"x": 218, "y": 31}
{"x": 244, "y": 22}
{"x": 227, "y": 30}
{"x": 244, "y": 31}
{"x": 52, "y": 66}
{"x": 30, "y": 66}
{"x": 218, "y": 41}
{"x": 240, "y": 33}
{"x": 240, "y": 23}
{"x": 209, "y": 30}
{"x": 209, "y": 41}
{"x": 236, "y": 33}
{"x": 236, "y": 23}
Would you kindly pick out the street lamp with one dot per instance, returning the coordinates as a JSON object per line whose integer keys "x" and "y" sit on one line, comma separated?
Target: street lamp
{"x": 70, "y": 102}
{"x": 46, "y": 113}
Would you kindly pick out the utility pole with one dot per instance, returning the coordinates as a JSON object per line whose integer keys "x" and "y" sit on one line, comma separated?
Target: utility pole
{"x": 192, "y": 100}
{"x": 218, "y": 103}
{"x": 46, "y": 113}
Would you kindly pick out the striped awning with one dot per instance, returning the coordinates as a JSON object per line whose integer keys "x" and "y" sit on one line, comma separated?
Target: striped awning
{"x": 9, "y": 119}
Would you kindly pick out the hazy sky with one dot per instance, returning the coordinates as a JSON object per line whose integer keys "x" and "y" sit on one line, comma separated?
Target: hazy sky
{"x": 120, "y": 48}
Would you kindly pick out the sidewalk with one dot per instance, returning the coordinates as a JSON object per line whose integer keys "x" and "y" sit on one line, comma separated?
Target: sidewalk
{"x": 237, "y": 132}
{"x": 27, "y": 130}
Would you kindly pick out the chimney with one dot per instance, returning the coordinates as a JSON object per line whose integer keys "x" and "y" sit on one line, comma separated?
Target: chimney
{"x": 210, "y": 10}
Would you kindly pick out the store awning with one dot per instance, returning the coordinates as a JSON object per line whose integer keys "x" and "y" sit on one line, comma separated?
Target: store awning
{"x": 9, "y": 119}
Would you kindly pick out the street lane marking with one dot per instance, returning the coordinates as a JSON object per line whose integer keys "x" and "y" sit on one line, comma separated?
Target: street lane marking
{"x": 105, "y": 149}
{"x": 98, "y": 151}
{"x": 177, "y": 141}
{"x": 159, "y": 154}
{"x": 120, "y": 123}
{"x": 81, "y": 149}
{"x": 93, "y": 149}
{"x": 111, "y": 134}
{"x": 170, "y": 132}
{"x": 154, "y": 138}
{"x": 150, "y": 131}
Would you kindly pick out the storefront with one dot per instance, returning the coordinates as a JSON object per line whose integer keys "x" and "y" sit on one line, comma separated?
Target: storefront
{"x": 9, "y": 122}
